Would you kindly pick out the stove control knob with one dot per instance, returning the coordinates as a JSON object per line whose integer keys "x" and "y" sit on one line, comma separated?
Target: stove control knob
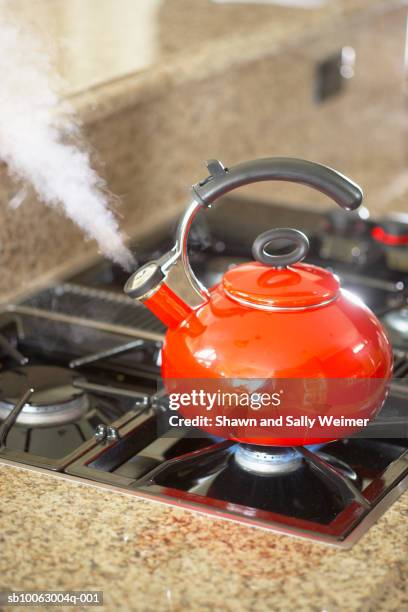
{"x": 392, "y": 231}
{"x": 101, "y": 433}
{"x": 112, "y": 434}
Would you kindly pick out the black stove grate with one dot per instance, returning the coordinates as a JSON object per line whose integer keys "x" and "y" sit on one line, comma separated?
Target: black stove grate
{"x": 108, "y": 374}
{"x": 96, "y": 305}
{"x": 400, "y": 371}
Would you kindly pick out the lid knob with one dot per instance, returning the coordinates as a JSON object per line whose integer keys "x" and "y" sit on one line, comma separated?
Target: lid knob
{"x": 299, "y": 250}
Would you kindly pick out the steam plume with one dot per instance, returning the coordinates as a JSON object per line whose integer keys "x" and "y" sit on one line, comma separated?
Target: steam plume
{"x": 41, "y": 143}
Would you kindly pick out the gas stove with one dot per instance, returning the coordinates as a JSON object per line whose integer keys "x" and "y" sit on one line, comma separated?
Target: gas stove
{"x": 81, "y": 395}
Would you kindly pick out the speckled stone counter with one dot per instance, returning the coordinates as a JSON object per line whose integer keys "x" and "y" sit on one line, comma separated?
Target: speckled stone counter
{"x": 145, "y": 556}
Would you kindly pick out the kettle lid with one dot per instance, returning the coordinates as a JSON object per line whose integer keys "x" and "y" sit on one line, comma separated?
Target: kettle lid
{"x": 296, "y": 287}
{"x": 280, "y": 282}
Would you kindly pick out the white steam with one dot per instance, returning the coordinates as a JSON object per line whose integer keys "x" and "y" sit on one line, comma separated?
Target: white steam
{"x": 39, "y": 141}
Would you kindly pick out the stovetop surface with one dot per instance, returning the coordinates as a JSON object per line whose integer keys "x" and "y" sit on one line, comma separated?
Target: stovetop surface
{"x": 110, "y": 347}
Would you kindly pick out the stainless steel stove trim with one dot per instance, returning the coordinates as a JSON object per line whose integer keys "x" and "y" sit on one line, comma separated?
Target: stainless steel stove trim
{"x": 80, "y": 467}
{"x": 348, "y": 527}
{"x": 29, "y": 459}
{"x": 348, "y": 542}
{"x": 356, "y": 518}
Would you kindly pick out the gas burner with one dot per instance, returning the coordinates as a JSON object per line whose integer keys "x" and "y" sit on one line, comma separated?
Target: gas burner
{"x": 267, "y": 460}
{"x": 55, "y": 399}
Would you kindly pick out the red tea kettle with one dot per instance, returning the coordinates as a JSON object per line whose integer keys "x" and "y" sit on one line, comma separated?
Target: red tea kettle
{"x": 270, "y": 319}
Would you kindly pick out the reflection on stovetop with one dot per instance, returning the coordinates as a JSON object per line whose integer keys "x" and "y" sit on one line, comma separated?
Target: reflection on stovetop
{"x": 325, "y": 490}
{"x": 97, "y": 411}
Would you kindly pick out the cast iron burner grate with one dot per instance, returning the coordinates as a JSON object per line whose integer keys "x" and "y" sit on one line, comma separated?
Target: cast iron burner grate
{"x": 56, "y": 404}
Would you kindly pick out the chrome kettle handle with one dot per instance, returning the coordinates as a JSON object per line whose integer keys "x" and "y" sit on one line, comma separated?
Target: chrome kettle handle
{"x": 221, "y": 180}
{"x": 173, "y": 268}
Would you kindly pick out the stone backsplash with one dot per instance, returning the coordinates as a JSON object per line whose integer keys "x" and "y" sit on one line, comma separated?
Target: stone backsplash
{"x": 234, "y": 100}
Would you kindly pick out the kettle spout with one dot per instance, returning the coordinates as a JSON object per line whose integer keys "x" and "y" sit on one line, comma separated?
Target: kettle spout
{"x": 167, "y": 288}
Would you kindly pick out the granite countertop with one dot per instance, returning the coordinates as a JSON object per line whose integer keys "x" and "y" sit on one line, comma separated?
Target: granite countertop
{"x": 146, "y": 556}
